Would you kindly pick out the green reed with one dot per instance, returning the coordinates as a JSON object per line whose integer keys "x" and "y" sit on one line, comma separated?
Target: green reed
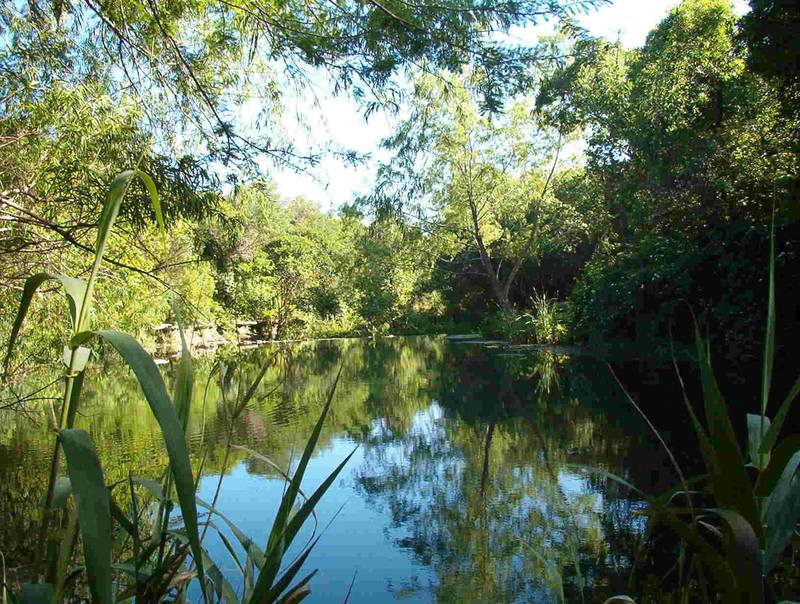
{"x": 737, "y": 519}
{"x": 137, "y": 553}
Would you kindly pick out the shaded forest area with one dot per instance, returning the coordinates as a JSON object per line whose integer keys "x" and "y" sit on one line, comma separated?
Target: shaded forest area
{"x": 485, "y": 217}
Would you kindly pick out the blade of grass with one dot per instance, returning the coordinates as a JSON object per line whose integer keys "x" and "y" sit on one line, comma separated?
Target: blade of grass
{"x": 155, "y": 392}
{"x": 769, "y": 337}
{"x": 300, "y": 591}
{"x": 744, "y": 555}
{"x": 290, "y": 573}
{"x": 294, "y": 486}
{"x": 94, "y": 514}
{"x": 732, "y": 487}
{"x": 782, "y": 513}
{"x": 273, "y": 559}
{"x": 756, "y": 428}
{"x": 116, "y": 193}
{"x": 283, "y": 530}
{"x": 74, "y": 288}
{"x": 774, "y": 431}
{"x": 253, "y": 551}
{"x": 781, "y": 455}
{"x": 184, "y": 383}
{"x": 350, "y": 587}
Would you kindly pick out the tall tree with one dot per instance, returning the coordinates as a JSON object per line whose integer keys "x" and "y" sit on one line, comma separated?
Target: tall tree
{"x": 479, "y": 182}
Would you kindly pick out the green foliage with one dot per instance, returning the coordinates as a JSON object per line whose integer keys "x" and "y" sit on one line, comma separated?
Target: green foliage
{"x": 692, "y": 150}
{"x": 156, "y": 561}
{"x": 744, "y": 506}
{"x": 545, "y": 320}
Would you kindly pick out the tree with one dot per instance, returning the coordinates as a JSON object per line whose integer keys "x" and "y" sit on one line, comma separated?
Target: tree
{"x": 175, "y": 58}
{"x": 690, "y": 150}
{"x": 477, "y": 182}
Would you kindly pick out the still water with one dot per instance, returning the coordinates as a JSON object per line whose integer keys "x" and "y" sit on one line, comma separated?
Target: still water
{"x": 473, "y": 479}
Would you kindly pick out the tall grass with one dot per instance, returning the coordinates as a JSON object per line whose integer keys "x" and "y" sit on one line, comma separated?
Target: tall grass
{"x": 735, "y": 521}
{"x": 138, "y": 552}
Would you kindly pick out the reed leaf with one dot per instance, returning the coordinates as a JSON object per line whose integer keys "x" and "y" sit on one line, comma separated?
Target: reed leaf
{"x": 774, "y": 431}
{"x": 782, "y": 513}
{"x": 284, "y": 530}
{"x": 254, "y": 552}
{"x": 155, "y": 392}
{"x": 289, "y": 574}
{"x": 781, "y": 455}
{"x": 300, "y": 591}
{"x": 61, "y": 493}
{"x": 94, "y": 513}
{"x": 769, "y": 337}
{"x": 730, "y": 482}
{"x": 184, "y": 383}
{"x": 744, "y": 556}
{"x": 757, "y": 425}
{"x": 74, "y": 288}
{"x": 289, "y": 498}
{"x": 116, "y": 193}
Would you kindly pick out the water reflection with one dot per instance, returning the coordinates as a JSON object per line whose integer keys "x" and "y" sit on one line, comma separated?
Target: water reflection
{"x": 470, "y": 483}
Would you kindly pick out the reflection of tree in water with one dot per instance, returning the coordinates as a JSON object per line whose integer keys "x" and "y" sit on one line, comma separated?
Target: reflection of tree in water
{"x": 480, "y": 489}
{"x": 475, "y": 480}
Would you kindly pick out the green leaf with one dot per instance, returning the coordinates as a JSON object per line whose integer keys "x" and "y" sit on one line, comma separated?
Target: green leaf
{"x": 290, "y": 573}
{"x": 781, "y": 455}
{"x": 116, "y": 193}
{"x": 152, "y": 486}
{"x": 254, "y": 552}
{"x": 222, "y": 588}
{"x": 300, "y": 591}
{"x": 730, "y": 482}
{"x": 74, "y": 288}
{"x": 94, "y": 513}
{"x": 744, "y": 555}
{"x": 769, "y": 338}
{"x": 77, "y": 358}
{"x": 777, "y": 423}
{"x": 723, "y": 574}
{"x": 283, "y": 530}
{"x": 228, "y": 546}
{"x": 155, "y": 393}
{"x": 757, "y": 425}
{"x": 61, "y": 493}
{"x": 274, "y": 555}
{"x": 287, "y": 503}
{"x": 782, "y": 513}
{"x": 154, "y": 197}
{"x": 119, "y": 516}
{"x": 183, "y": 384}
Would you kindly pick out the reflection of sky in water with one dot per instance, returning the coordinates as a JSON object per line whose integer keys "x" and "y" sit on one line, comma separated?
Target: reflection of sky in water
{"x": 358, "y": 535}
{"x": 359, "y": 539}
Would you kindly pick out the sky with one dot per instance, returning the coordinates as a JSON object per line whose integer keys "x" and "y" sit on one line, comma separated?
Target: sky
{"x": 337, "y": 119}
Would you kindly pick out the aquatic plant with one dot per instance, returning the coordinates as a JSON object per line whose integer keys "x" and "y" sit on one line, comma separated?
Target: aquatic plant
{"x": 544, "y": 323}
{"x": 140, "y": 552}
{"x": 735, "y": 521}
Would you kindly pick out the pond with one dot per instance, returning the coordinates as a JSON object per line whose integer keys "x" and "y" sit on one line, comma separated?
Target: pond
{"x": 475, "y": 474}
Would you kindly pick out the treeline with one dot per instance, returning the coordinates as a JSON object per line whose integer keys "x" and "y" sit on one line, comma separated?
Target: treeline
{"x": 691, "y": 147}
{"x": 480, "y": 220}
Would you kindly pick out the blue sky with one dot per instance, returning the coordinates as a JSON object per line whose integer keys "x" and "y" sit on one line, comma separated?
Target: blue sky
{"x": 337, "y": 119}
